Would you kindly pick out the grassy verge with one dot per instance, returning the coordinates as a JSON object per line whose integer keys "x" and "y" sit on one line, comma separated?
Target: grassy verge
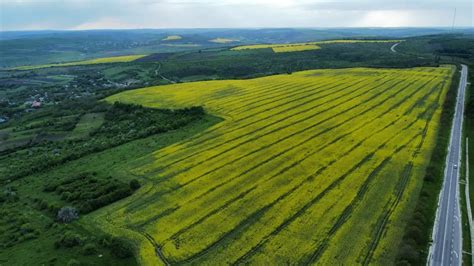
{"x": 469, "y": 133}
{"x": 414, "y": 248}
{"x": 466, "y": 234}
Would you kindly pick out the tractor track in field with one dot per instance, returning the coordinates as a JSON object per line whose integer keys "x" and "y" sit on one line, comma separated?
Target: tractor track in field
{"x": 254, "y": 251}
{"x": 292, "y": 124}
{"x": 343, "y": 217}
{"x": 324, "y": 146}
{"x": 245, "y": 194}
{"x": 191, "y": 140}
{"x": 399, "y": 192}
{"x": 164, "y": 178}
{"x": 252, "y": 218}
{"x": 275, "y": 175}
{"x": 215, "y": 128}
{"x": 248, "y": 124}
{"x": 161, "y": 193}
{"x": 157, "y": 247}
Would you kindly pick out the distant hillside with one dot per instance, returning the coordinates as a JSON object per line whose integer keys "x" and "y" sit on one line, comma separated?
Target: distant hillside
{"x": 21, "y": 48}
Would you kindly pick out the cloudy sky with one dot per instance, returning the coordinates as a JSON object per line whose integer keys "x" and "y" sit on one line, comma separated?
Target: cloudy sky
{"x": 127, "y": 14}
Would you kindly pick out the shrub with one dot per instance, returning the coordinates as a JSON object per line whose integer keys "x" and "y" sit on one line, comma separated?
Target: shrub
{"x": 134, "y": 184}
{"x": 121, "y": 248}
{"x": 89, "y": 249}
{"x": 68, "y": 240}
{"x": 73, "y": 262}
{"x": 53, "y": 208}
{"x": 67, "y": 214}
{"x": 42, "y": 204}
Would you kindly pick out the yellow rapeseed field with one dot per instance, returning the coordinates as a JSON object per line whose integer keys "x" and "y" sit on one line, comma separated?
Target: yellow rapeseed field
{"x": 172, "y": 38}
{"x": 302, "y": 170}
{"x": 296, "y": 47}
{"x": 101, "y": 60}
{"x": 222, "y": 40}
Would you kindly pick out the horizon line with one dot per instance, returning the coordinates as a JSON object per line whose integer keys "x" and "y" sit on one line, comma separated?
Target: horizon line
{"x": 244, "y": 28}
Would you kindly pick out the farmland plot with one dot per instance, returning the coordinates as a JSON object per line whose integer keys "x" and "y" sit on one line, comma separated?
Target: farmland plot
{"x": 320, "y": 166}
{"x": 297, "y": 47}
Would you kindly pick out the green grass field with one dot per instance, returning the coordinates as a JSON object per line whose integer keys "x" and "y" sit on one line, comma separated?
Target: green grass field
{"x": 87, "y": 124}
{"x": 320, "y": 166}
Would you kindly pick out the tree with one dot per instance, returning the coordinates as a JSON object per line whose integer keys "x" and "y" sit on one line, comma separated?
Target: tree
{"x": 67, "y": 214}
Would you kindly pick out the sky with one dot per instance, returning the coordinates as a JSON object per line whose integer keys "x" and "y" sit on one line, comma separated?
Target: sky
{"x": 139, "y": 14}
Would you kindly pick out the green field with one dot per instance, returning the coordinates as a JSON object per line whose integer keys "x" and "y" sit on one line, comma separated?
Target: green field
{"x": 102, "y": 60}
{"x": 86, "y": 125}
{"x": 320, "y": 166}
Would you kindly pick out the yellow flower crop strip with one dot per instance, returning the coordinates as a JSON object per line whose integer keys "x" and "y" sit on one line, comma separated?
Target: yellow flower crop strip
{"x": 296, "y": 47}
{"x": 299, "y": 161}
{"x": 101, "y": 60}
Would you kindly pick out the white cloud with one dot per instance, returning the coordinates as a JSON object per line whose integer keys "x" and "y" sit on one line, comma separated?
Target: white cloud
{"x": 107, "y": 23}
{"x": 387, "y": 18}
{"x": 91, "y": 14}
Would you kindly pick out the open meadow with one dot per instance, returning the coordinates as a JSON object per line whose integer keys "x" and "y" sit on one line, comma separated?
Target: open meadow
{"x": 315, "y": 166}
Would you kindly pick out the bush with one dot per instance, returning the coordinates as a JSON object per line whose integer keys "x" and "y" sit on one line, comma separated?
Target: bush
{"x": 53, "y": 208}
{"x": 134, "y": 184}
{"x": 89, "y": 249}
{"x": 42, "y": 204}
{"x": 68, "y": 240}
{"x": 73, "y": 262}
{"x": 121, "y": 248}
{"x": 67, "y": 214}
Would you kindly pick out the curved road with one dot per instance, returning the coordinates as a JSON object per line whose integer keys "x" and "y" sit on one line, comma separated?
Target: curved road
{"x": 393, "y": 47}
{"x": 446, "y": 248}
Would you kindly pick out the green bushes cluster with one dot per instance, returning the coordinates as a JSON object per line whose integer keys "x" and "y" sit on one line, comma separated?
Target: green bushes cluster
{"x": 123, "y": 123}
{"x": 119, "y": 247}
{"x": 15, "y": 227}
{"x": 88, "y": 193}
{"x": 68, "y": 240}
{"x": 9, "y": 195}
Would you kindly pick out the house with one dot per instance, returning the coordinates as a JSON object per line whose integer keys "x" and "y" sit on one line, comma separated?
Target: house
{"x": 36, "y": 104}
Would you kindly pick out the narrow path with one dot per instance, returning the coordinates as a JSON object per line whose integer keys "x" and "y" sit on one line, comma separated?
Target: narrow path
{"x": 157, "y": 73}
{"x": 468, "y": 201}
{"x": 159, "y": 254}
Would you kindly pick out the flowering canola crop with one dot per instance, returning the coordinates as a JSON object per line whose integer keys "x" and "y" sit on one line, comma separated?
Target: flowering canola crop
{"x": 297, "y": 47}
{"x": 320, "y": 166}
